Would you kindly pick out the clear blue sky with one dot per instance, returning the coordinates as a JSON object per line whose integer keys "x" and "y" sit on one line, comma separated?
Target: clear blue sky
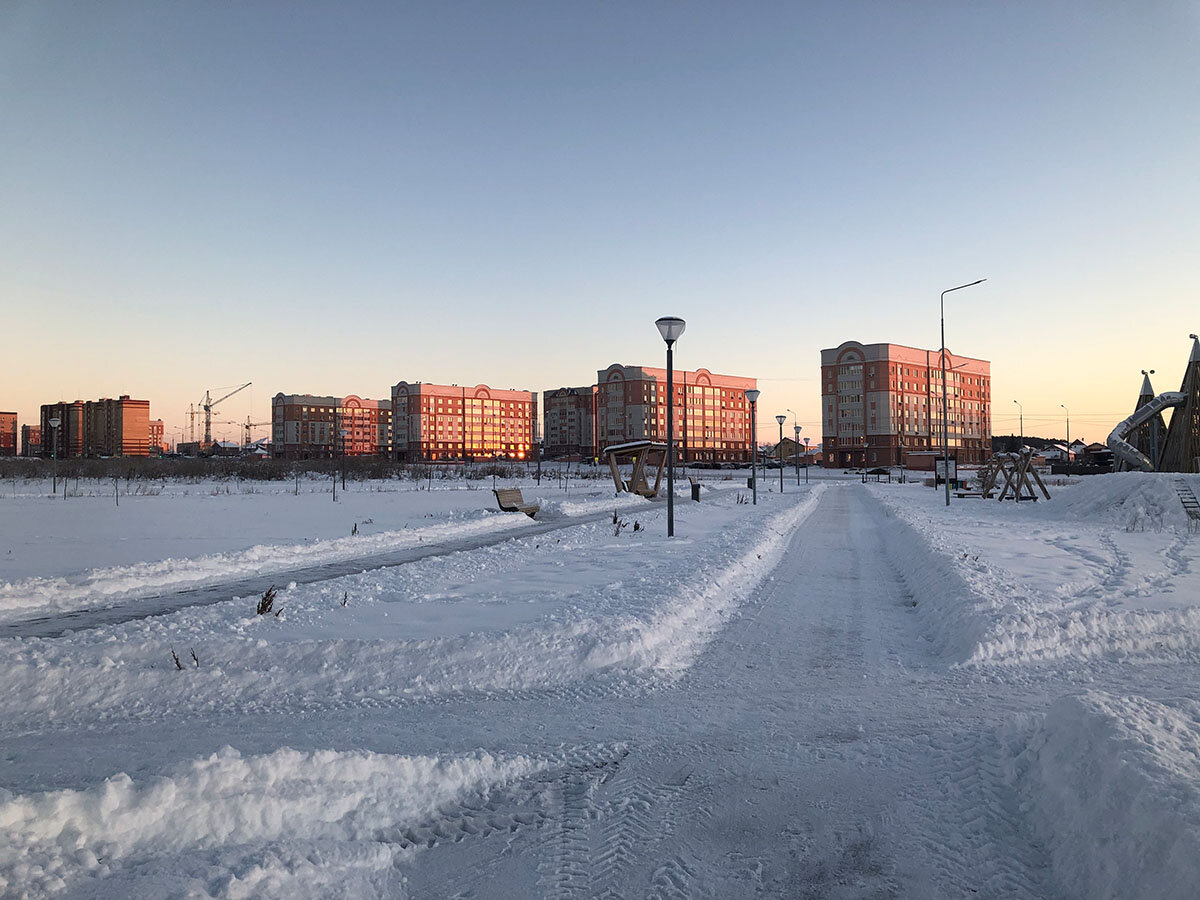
{"x": 329, "y": 198}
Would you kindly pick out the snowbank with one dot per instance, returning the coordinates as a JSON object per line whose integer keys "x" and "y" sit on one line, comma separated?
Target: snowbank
{"x": 543, "y": 612}
{"x": 954, "y": 614}
{"x": 100, "y": 586}
{"x": 1131, "y": 501}
{"x": 49, "y": 841}
{"x": 1112, "y": 784}
{"x": 1013, "y": 584}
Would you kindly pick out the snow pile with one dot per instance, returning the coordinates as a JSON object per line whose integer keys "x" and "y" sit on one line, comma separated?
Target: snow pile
{"x": 1132, "y": 501}
{"x": 1011, "y": 584}
{"x": 100, "y": 586}
{"x": 955, "y": 614}
{"x": 49, "y": 840}
{"x": 539, "y": 613}
{"x": 1113, "y": 786}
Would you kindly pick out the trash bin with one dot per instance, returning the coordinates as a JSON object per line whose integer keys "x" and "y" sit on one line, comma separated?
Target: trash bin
{"x": 696, "y": 492}
{"x": 750, "y": 482}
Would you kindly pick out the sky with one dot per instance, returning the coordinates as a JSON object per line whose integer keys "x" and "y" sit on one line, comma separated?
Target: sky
{"x": 329, "y": 198}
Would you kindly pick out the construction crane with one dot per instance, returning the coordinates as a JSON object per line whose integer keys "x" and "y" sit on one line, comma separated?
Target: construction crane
{"x": 207, "y": 405}
{"x": 248, "y": 425}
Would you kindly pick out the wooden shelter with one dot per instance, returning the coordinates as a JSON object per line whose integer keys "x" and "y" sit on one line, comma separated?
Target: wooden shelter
{"x": 641, "y": 454}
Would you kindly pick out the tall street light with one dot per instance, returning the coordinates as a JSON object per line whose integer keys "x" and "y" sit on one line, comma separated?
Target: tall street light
{"x": 1022, "y": 413}
{"x": 945, "y": 399}
{"x": 780, "y": 419}
{"x": 752, "y": 396}
{"x": 1064, "y": 406}
{"x": 806, "y": 463}
{"x": 54, "y": 423}
{"x": 1153, "y": 422}
{"x": 797, "y": 430}
{"x": 670, "y": 327}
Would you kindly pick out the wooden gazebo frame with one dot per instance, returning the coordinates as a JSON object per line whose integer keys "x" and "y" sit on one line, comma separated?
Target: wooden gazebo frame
{"x": 641, "y": 454}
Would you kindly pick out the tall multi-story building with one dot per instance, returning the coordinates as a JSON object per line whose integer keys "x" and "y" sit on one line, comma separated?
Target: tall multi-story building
{"x": 102, "y": 427}
{"x": 711, "y": 415}
{"x": 446, "y": 421}
{"x": 882, "y": 402}
{"x": 66, "y": 439}
{"x": 569, "y": 422}
{"x": 8, "y": 434}
{"x": 31, "y": 440}
{"x": 304, "y": 426}
{"x": 156, "y": 436}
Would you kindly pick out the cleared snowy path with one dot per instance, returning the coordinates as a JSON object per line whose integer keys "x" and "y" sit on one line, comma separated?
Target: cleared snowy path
{"x": 816, "y": 749}
{"x": 809, "y": 753}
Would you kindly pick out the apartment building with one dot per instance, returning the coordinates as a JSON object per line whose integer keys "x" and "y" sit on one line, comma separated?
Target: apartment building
{"x": 711, "y": 413}
{"x": 156, "y": 437}
{"x": 569, "y": 422}
{"x": 8, "y": 434}
{"x": 448, "y": 421}
{"x": 31, "y": 440}
{"x": 305, "y": 426}
{"x": 880, "y": 402}
{"x": 104, "y": 427}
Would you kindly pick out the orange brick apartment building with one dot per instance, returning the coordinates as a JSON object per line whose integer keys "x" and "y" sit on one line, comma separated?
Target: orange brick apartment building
{"x": 712, "y": 415}
{"x": 304, "y": 426}
{"x": 880, "y": 402}
{"x": 8, "y": 434}
{"x": 102, "y": 427}
{"x": 446, "y": 421}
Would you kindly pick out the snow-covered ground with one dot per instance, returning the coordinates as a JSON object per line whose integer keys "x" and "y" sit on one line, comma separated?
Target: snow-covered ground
{"x": 841, "y": 691}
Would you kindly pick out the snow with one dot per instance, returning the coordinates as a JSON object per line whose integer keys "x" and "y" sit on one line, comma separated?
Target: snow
{"x": 56, "y": 838}
{"x": 1113, "y": 785}
{"x": 843, "y": 690}
{"x": 1104, "y": 568}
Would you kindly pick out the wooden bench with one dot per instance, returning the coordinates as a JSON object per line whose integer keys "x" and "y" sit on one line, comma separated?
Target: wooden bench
{"x": 510, "y": 500}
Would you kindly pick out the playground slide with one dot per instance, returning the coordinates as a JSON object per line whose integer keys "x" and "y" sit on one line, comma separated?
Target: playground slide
{"x": 1124, "y": 450}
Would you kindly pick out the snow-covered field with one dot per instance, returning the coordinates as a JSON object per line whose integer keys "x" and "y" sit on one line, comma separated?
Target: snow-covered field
{"x": 841, "y": 691}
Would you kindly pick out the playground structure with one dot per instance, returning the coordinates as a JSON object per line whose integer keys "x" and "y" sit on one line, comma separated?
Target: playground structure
{"x": 1019, "y": 478}
{"x": 641, "y": 454}
{"x": 1179, "y": 448}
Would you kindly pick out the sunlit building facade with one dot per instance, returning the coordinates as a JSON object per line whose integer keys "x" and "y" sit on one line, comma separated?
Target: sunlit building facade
{"x": 156, "y": 436}
{"x": 711, "y": 415}
{"x": 92, "y": 428}
{"x": 8, "y": 434}
{"x": 448, "y": 421}
{"x": 881, "y": 402}
{"x": 306, "y": 426}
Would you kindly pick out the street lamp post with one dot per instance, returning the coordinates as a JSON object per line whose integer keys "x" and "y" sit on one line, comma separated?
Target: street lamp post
{"x": 343, "y": 434}
{"x": 1064, "y": 406}
{"x": 945, "y": 392}
{"x": 333, "y": 450}
{"x": 54, "y": 423}
{"x": 1153, "y": 424}
{"x": 797, "y": 428}
{"x": 806, "y": 463}
{"x": 780, "y": 419}
{"x": 752, "y": 396}
{"x": 1021, "y": 409}
{"x": 670, "y": 327}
